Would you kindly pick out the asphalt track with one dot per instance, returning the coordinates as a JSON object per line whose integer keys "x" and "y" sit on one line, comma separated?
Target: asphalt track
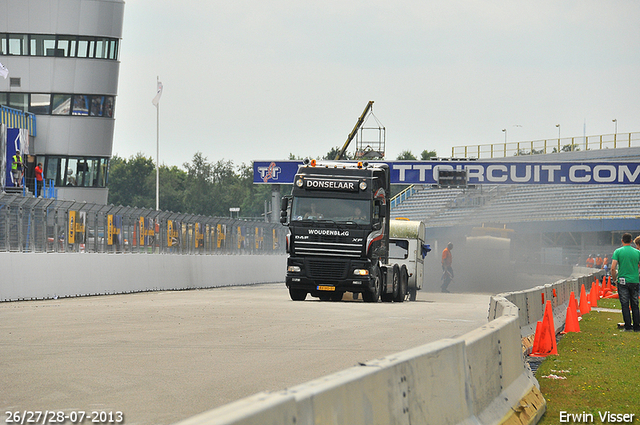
{"x": 161, "y": 357}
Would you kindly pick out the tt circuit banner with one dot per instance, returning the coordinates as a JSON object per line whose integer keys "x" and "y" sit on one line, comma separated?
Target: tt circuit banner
{"x": 478, "y": 172}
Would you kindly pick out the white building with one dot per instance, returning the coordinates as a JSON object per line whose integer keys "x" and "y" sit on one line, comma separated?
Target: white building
{"x": 62, "y": 57}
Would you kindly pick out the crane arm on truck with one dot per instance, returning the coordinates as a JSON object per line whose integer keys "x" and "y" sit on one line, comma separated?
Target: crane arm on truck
{"x": 340, "y": 154}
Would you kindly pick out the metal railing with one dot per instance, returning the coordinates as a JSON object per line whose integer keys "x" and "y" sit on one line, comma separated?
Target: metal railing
{"x": 402, "y": 196}
{"x": 504, "y": 150}
{"x": 29, "y": 224}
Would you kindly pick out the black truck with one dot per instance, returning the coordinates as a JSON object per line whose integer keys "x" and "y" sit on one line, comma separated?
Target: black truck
{"x": 338, "y": 240}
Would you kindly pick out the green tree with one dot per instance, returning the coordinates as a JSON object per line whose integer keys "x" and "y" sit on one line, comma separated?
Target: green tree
{"x": 172, "y": 188}
{"x": 406, "y": 155}
{"x": 132, "y": 181}
{"x": 426, "y": 154}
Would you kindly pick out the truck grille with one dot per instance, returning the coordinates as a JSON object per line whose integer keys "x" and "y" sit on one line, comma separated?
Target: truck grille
{"x": 333, "y": 249}
{"x": 329, "y": 270}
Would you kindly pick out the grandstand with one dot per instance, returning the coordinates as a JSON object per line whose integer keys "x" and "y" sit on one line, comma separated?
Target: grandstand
{"x": 577, "y": 220}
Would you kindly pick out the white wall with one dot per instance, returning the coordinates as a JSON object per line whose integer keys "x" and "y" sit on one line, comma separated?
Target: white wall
{"x": 49, "y": 275}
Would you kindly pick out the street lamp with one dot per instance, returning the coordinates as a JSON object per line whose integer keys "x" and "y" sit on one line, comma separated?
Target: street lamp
{"x": 615, "y": 122}
{"x": 558, "y": 125}
{"x": 505, "y": 134}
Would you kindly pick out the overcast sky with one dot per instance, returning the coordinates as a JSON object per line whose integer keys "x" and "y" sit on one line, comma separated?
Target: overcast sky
{"x": 257, "y": 80}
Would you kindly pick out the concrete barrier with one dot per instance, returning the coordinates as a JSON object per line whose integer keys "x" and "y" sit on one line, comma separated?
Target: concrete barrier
{"x": 51, "y": 275}
{"x": 478, "y": 378}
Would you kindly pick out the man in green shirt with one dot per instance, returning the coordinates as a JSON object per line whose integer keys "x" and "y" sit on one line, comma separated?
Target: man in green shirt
{"x": 624, "y": 269}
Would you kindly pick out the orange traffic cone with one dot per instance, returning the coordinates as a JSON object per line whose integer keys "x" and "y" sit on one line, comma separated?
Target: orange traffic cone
{"x": 571, "y": 323}
{"x": 574, "y": 301}
{"x": 584, "y": 305}
{"x": 547, "y": 335}
{"x": 536, "y": 340}
{"x": 593, "y": 295}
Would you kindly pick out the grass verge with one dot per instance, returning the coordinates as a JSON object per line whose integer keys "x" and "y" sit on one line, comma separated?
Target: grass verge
{"x": 596, "y": 371}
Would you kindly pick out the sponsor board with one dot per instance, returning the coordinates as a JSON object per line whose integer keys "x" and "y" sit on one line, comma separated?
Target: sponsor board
{"x": 479, "y": 172}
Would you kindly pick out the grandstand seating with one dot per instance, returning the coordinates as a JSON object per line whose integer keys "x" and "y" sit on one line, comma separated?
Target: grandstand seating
{"x": 451, "y": 207}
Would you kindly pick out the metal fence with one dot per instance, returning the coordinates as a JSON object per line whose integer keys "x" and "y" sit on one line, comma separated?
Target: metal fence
{"x": 504, "y": 150}
{"x": 30, "y": 224}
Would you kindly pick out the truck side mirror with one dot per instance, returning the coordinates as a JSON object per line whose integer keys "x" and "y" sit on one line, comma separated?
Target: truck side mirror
{"x": 284, "y": 206}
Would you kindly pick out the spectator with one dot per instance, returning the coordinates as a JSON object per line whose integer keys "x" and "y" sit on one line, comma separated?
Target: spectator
{"x": 16, "y": 169}
{"x": 624, "y": 270}
{"x": 598, "y": 261}
{"x": 591, "y": 261}
{"x": 39, "y": 179}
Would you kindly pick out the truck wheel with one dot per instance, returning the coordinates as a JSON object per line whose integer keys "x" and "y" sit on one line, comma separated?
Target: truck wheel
{"x": 402, "y": 288}
{"x": 297, "y": 294}
{"x": 412, "y": 294}
{"x": 337, "y": 296}
{"x": 388, "y": 297}
{"x": 372, "y": 297}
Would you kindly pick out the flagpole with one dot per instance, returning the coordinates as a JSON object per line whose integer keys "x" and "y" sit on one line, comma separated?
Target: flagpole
{"x": 158, "y": 153}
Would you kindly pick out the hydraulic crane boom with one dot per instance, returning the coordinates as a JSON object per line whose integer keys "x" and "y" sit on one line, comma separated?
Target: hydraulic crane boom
{"x": 340, "y": 154}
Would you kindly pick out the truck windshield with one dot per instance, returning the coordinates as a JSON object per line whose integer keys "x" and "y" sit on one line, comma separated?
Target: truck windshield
{"x": 338, "y": 210}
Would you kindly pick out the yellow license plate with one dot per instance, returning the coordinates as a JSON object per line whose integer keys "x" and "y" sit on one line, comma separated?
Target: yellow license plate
{"x": 326, "y": 288}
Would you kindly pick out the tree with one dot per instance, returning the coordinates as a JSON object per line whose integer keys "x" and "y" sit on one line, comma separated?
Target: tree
{"x": 426, "y": 154}
{"x": 331, "y": 155}
{"x": 406, "y": 155}
{"x": 567, "y": 148}
{"x": 172, "y": 188}
{"x": 132, "y": 182}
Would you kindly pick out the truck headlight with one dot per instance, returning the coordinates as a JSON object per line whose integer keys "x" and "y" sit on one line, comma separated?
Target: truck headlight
{"x": 299, "y": 183}
{"x": 361, "y": 272}
{"x": 363, "y": 185}
{"x": 293, "y": 269}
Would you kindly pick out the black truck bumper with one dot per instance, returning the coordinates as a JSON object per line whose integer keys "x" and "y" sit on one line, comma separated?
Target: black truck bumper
{"x": 327, "y": 275}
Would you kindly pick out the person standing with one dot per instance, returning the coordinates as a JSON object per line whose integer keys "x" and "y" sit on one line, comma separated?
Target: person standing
{"x": 39, "y": 179}
{"x": 447, "y": 269}
{"x": 591, "y": 262}
{"x": 624, "y": 271}
{"x": 16, "y": 169}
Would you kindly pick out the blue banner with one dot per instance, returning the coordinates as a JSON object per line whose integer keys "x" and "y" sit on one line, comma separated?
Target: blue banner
{"x": 479, "y": 172}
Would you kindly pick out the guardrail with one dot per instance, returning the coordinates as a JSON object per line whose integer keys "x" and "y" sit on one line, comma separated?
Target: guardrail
{"x": 504, "y": 150}
{"x": 478, "y": 378}
{"x": 48, "y": 225}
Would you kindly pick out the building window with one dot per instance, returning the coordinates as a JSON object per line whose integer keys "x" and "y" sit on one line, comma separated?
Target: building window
{"x": 18, "y": 101}
{"x": 60, "y": 104}
{"x": 80, "y": 105}
{"x": 17, "y": 44}
{"x": 66, "y": 46}
{"x": 75, "y": 171}
{"x": 40, "y": 104}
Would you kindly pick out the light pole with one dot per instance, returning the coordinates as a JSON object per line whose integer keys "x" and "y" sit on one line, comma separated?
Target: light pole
{"x": 558, "y": 125}
{"x": 615, "y": 123}
{"x": 505, "y": 135}
{"x": 156, "y": 103}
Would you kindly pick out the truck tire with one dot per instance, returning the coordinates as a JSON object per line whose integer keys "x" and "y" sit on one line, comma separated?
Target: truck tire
{"x": 297, "y": 294}
{"x": 412, "y": 294}
{"x": 336, "y": 296}
{"x": 372, "y": 297}
{"x": 395, "y": 278}
{"x": 403, "y": 287}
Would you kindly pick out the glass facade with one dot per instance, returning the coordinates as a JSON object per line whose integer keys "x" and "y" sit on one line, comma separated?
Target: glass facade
{"x": 62, "y": 46}
{"x": 75, "y": 171}
{"x": 87, "y": 105}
